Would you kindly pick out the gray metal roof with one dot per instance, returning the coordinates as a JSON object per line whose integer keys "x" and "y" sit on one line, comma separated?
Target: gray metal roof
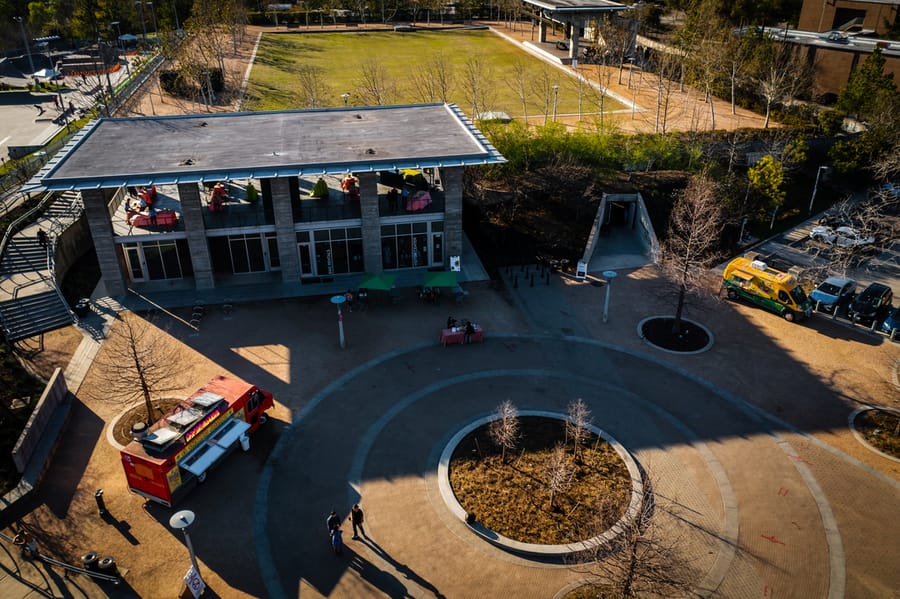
{"x": 585, "y": 6}
{"x": 194, "y": 148}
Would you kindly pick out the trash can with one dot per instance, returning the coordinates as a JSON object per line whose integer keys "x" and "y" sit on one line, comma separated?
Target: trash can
{"x": 245, "y": 442}
{"x": 89, "y": 561}
{"x": 107, "y": 565}
{"x": 83, "y": 307}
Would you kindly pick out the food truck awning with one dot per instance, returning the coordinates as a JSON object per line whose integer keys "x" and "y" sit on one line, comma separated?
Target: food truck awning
{"x": 217, "y": 445}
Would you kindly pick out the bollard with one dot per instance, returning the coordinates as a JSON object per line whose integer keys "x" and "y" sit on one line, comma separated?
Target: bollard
{"x": 874, "y": 325}
{"x": 101, "y": 505}
{"x": 893, "y": 334}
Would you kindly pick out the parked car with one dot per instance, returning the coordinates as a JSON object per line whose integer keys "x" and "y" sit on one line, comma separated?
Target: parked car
{"x": 892, "y": 321}
{"x": 847, "y": 237}
{"x": 873, "y": 303}
{"x": 832, "y": 293}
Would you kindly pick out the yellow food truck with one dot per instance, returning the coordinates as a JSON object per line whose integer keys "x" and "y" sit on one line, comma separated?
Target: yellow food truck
{"x": 777, "y": 291}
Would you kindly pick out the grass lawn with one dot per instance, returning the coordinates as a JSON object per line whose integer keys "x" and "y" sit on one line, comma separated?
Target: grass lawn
{"x": 274, "y": 82}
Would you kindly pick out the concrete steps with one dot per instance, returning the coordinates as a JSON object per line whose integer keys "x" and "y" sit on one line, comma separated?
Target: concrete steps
{"x": 23, "y": 254}
{"x": 34, "y": 314}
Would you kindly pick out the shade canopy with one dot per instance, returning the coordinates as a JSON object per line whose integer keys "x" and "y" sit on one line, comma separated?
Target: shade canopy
{"x": 382, "y": 282}
{"x": 443, "y": 278}
{"x": 127, "y": 37}
{"x": 46, "y": 74}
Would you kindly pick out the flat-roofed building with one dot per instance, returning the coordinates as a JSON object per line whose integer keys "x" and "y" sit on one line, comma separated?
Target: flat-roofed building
{"x": 149, "y": 187}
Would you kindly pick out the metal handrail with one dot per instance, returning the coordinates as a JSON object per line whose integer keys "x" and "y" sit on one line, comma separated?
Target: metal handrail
{"x": 113, "y": 578}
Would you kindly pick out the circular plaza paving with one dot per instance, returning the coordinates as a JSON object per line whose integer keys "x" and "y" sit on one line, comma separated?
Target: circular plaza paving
{"x": 720, "y": 477}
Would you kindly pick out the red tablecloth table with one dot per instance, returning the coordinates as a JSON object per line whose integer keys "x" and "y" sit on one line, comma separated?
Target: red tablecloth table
{"x": 449, "y": 336}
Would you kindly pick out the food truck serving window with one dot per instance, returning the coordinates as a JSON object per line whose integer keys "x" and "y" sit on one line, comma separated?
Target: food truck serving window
{"x": 207, "y": 453}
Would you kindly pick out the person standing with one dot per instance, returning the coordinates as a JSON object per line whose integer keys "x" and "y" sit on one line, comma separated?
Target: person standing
{"x": 42, "y": 238}
{"x": 356, "y": 518}
{"x": 470, "y": 330}
{"x": 337, "y": 541}
{"x": 333, "y": 521}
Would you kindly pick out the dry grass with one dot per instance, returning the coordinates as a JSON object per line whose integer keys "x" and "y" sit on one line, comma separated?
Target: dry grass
{"x": 513, "y": 499}
{"x": 881, "y": 429}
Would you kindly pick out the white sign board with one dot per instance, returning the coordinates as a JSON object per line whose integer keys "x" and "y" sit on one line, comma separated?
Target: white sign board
{"x": 194, "y": 582}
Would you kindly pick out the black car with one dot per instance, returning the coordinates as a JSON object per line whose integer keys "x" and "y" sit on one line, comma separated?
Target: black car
{"x": 873, "y": 303}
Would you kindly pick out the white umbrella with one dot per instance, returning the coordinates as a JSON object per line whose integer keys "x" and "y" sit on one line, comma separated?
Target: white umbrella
{"x": 46, "y": 74}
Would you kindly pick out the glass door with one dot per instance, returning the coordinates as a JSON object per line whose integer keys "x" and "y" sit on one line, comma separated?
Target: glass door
{"x": 307, "y": 266}
{"x": 134, "y": 263}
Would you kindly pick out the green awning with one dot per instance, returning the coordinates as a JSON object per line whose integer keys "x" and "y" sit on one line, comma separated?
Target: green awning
{"x": 443, "y": 278}
{"x": 382, "y": 282}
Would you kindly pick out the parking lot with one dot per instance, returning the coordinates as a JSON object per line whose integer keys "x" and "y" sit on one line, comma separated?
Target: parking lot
{"x": 815, "y": 260}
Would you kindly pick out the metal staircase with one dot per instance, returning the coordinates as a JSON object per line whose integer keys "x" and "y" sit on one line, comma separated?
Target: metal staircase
{"x": 30, "y": 300}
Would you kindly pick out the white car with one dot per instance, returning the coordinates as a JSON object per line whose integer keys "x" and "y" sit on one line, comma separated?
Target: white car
{"x": 846, "y": 237}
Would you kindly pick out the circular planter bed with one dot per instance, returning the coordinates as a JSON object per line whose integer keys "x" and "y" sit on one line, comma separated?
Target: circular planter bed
{"x": 692, "y": 337}
{"x": 511, "y": 497}
{"x": 122, "y": 425}
{"x": 879, "y": 429}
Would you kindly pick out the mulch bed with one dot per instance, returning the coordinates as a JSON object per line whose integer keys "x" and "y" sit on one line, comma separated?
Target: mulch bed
{"x": 513, "y": 499}
{"x": 122, "y": 430}
{"x": 880, "y": 429}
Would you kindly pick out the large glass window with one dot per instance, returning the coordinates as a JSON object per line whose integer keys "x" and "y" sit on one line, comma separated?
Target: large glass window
{"x": 247, "y": 253}
{"x": 333, "y": 251}
{"x": 153, "y": 260}
{"x": 409, "y": 245}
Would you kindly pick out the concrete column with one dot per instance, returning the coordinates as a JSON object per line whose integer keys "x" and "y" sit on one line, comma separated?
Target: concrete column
{"x": 542, "y": 30}
{"x": 284, "y": 229}
{"x": 451, "y": 178}
{"x": 574, "y": 37}
{"x": 97, "y": 214}
{"x": 195, "y": 230}
{"x": 371, "y": 221}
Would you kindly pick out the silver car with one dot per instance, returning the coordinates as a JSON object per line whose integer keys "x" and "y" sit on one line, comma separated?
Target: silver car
{"x": 833, "y": 292}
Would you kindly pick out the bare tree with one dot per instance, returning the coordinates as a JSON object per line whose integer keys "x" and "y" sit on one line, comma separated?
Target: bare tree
{"x": 668, "y": 69}
{"x": 693, "y": 238}
{"x": 476, "y": 84}
{"x": 560, "y": 472}
{"x": 373, "y": 84}
{"x": 577, "y": 425}
{"x": 139, "y": 361}
{"x": 781, "y": 75}
{"x": 433, "y": 80}
{"x": 518, "y": 83}
{"x": 313, "y": 86}
{"x": 504, "y": 429}
{"x": 645, "y": 559}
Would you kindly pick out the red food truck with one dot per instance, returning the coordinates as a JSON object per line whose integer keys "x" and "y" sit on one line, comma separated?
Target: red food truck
{"x": 178, "y": 451}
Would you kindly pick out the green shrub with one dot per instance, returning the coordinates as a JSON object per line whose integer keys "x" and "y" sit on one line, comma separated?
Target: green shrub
{"x": 173, "y": 83}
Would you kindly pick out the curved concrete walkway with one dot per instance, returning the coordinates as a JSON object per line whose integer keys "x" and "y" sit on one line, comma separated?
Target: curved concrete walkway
{"x": 374, "y": 437}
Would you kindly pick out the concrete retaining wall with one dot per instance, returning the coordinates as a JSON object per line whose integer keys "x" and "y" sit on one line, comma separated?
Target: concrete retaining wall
{"x": 71, "y": 245}
{"x": 55, "y": 393}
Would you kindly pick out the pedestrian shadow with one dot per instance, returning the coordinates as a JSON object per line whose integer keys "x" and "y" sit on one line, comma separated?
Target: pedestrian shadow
{"x": 122, "y": 526}
{"x": 403, "y": 569}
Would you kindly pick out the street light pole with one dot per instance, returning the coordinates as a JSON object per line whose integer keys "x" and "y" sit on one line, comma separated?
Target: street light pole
{"x": 555, "y": 100}
{"x": 25, "y": 39}
{"x": 181, "y": 521}
{"x": 609, "y": 275}
{"x": 815, "y": 188}
{"x": 337, "y": 300}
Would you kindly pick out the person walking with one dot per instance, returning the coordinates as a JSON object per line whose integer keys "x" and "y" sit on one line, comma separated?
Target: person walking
{"x": 470, "y": 330}
{"x": 356, "y": 518}
{"x": 333, "y": 521}
{"x": 337, "y": 541}
{"x": 42, "y": 238}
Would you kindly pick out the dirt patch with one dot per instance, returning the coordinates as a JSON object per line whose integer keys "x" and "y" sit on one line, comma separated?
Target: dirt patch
{"x": 51, "y": 350}
{"x": 513, "y": 498}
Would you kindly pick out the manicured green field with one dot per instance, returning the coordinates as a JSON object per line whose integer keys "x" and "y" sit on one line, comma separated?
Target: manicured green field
{"x": 341, "y": 58}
